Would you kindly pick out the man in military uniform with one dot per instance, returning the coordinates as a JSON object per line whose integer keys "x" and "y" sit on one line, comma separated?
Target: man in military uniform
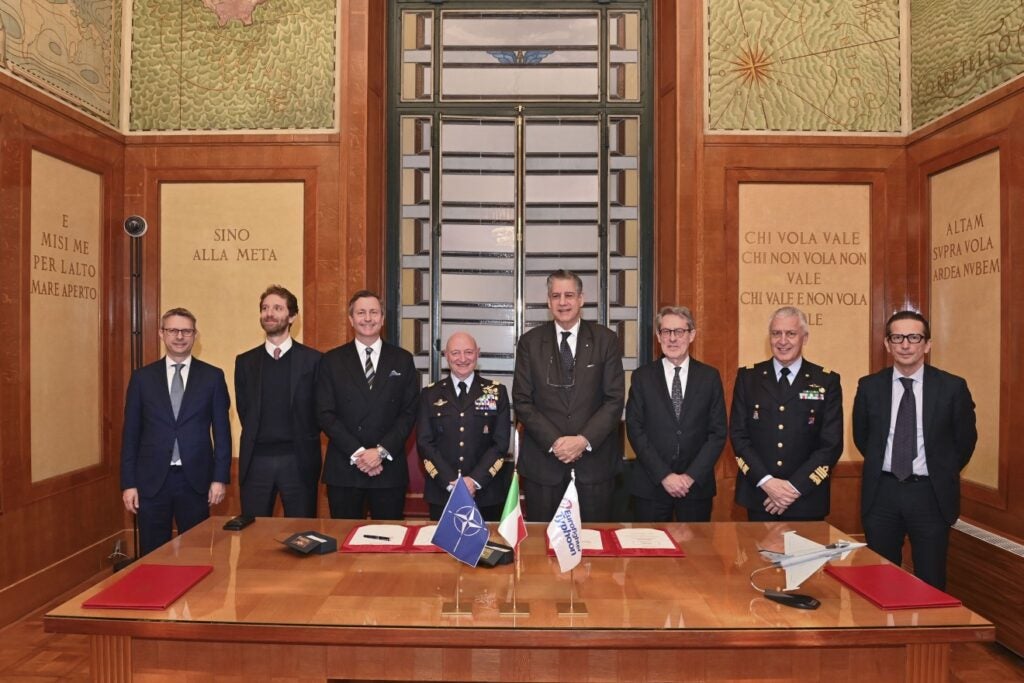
{"x": 463, "y": 431}
{"x": 786, "y": 427}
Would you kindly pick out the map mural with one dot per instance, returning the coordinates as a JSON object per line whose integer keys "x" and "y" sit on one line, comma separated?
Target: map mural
{"x": 803, "y": 65}
{"x": 961, "y": 50}
{"x": 232, "y": 64}
{"x": 71, "y": 49}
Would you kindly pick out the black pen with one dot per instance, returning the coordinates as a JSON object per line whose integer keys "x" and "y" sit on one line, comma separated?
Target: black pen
{"x": 377, "y": 538}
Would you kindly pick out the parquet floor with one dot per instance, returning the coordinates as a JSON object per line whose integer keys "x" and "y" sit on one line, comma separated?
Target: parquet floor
{"x": 29, "y": 655}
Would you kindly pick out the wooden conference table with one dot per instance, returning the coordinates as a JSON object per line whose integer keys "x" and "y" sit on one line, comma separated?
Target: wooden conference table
{"x": 266, "y": 613}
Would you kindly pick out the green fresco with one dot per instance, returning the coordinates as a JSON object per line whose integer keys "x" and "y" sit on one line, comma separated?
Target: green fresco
{"x": 70, "y": 49}
{"x": 245, "y": 64}
{"x": 803, "y": 65}
{"x": 960, "y": 50}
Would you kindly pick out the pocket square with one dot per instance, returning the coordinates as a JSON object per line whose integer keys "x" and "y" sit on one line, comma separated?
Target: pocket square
{"x": 395, "y": 373}
{"x": 590, "y": 365}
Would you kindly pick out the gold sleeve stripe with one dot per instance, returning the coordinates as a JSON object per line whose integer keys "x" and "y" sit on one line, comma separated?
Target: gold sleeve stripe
{"x": 431, "y": 470}
{"x": 496, "y": 467}
{"x": 742, "y": 465}
{"x": 819, "y": 475}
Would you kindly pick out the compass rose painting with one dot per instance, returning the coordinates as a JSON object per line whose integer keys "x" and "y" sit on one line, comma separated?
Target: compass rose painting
{"x": 803, "y": 65}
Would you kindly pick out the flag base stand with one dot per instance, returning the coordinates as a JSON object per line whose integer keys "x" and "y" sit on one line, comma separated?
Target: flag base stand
{"x": 511, "y": 609}
{"x": 572, "y": 609}
{"x": 454, "y": 609}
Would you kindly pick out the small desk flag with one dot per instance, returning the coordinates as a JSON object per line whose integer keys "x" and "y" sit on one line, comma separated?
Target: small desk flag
{"x": 564, "y": 529}
{"x": 461, "y": 531}
{"x": 513, "y": 526}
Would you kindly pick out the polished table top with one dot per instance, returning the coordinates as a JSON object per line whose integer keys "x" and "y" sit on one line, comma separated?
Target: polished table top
{"x": 256, "y": 581}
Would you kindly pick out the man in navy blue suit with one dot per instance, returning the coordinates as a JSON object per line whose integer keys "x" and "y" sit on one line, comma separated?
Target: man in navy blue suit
{"x": 171, "y": 469}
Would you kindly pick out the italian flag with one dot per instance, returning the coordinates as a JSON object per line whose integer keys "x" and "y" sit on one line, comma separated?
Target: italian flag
{"x": 513, "y": 527}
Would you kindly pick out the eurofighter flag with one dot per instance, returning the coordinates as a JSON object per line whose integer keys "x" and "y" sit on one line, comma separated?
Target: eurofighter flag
{"x": 564, "y": 529}
{"x": 461, "y": 531}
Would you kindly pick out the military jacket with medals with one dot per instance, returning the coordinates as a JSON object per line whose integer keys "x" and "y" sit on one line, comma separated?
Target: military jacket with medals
{"x": 470, "y": 436}
{"x": 793, "y": 433}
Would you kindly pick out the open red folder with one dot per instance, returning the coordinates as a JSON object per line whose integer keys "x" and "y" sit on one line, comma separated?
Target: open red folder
{"x": 149, "y": 586}
{"x": 890, "y": 587}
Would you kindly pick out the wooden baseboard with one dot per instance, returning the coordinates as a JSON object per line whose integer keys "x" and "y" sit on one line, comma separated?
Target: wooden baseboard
{"x": 987, "y": 578}
{"x": 34, "y": 591}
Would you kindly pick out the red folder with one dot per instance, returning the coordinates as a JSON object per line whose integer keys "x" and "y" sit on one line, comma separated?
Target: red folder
{"x": 149, "y": 586}
{"x": 889, "y": 587}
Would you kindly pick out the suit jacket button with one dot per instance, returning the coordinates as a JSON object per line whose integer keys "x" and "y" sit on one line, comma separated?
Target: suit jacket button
{"x": 782, "y": 427}
{"x": 780, "y": 444}
{"x": 782, "y": 409}
{"x": 461, "y": 458}
{"x": 679, "y": 433}
{"x": 462, "y": 415}
{"x": 461, "y": 444}
{"x": 779, "y": 463}
{"x": 462, "y": 429}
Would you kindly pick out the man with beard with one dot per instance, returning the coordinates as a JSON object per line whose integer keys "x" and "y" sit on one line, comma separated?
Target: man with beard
{"x": 275, "y": 396}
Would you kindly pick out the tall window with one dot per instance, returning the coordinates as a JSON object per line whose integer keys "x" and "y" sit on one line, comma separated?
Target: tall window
{"x": 520, "y": 137}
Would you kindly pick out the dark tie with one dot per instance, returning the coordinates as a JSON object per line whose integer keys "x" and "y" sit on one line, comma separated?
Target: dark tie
{"x": 177, "y": 392}
{"x": 567, "y": 359}
{"x": 677, "y": 394}
{"x": 277, "y": 353}
{"x": 784, "y": 378}
{"x": 904, "y": 437}
{"x": 463, "y": 390}
{"x": 368, "y": 367}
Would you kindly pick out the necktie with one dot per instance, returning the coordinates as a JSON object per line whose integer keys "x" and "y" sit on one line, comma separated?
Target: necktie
{"x": 368, "y": 367}
{"x": 567, "y": 360}
{"x": 463, "y": 390}
{"x": 177, "y": 392}
{"x": 784, "y": 378}
{"x": 904, "y": 437}
{"x": 677, "y": 394}
{"x": 277, "y": 353}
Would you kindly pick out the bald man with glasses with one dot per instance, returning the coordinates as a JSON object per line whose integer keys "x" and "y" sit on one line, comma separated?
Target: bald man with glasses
{"x": 915, "y": 425}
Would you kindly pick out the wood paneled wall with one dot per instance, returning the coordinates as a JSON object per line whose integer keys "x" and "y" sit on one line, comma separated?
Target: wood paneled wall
{"x": 697, "y": 176}
{"x": 995, "y": 121}
{"x": 55, "y": 532}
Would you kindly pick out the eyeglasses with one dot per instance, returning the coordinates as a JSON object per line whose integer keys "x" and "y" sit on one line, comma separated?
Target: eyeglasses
{"x": 678, "y": 332}
{"x": 912, "y": 338}
{"x": 788, "y": 334}
{"x": 178, "y": 332}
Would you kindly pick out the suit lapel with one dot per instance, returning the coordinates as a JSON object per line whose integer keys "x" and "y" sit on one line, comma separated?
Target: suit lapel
{"x": 163, "y": 388}
{"x": 930, "y": 390}
{"x": 296, "y": 372}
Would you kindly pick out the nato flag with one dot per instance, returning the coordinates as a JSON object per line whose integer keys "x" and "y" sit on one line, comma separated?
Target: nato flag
{"x": 461, "y": 531}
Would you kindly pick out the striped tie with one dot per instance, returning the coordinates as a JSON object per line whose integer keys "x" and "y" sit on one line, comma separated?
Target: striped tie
{"x": 368, "y": 367}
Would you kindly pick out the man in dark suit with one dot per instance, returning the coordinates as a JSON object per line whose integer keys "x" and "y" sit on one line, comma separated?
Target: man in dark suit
{"x": 675, "y": 420}
{"x": 366, "y": 399}
{"x": 568, "y": 392}
{"x": 463, "y": 430}
{"x": 786, "y": 427}
{"x": 275, "y": 398}
{"x": 915, "y": 426}
{"x": 170, "y": 468}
